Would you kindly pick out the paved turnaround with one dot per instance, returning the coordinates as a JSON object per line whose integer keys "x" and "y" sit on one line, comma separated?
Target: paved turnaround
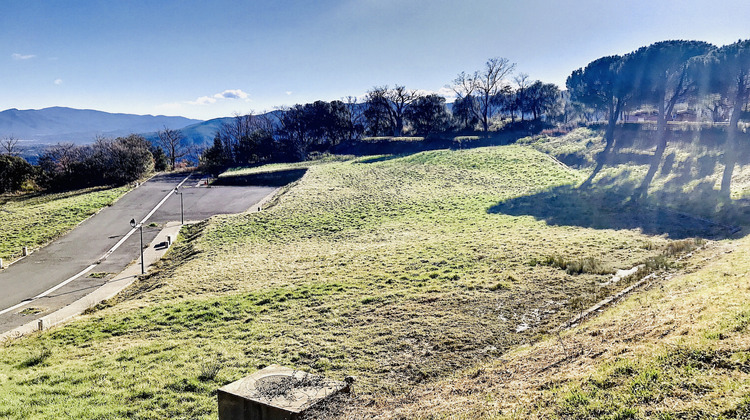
{"x": 72, "y": 266}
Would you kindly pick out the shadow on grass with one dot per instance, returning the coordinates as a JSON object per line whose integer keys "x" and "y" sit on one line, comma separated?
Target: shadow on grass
{"x": 61, "y": 193}
{"x": 401, "y": 147}
{"x": 264, "y": 179}
{"x": 677, "y": 197}
{"x": 708, "y": 154}
{"x": 611, "y": 208}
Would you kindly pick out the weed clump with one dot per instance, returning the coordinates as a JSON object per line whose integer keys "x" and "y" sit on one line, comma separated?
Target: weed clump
{"x": 209, "y": 370}
{"x": 658, "y": 262}
{"x": 501, "y": 285}
{"x": 741, "y": 321}
{"x": 741, "y": 411}
{"x": 683, "y": 246}
{"x": 37, "y": 358}
{"x": 588, "y": 265}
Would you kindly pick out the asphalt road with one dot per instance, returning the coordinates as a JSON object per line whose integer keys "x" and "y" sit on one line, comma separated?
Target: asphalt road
{"x": 87, "y": 243}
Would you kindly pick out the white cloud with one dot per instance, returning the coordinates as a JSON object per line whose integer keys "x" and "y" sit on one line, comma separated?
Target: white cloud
{"x": 288, "y": 92}
{"x": 58, "y": 82}
{"x": 17, "y": 56}
{"x": 230, "y": 94}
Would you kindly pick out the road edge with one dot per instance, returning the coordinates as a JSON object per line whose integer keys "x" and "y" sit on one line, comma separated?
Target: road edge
{"x": 106, "y": 291}
{"x": 117, "y": 284}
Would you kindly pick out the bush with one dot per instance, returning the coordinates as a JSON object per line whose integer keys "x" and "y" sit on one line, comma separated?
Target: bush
{"x": 14, "y": 173}
{"x": 118, "y": 161}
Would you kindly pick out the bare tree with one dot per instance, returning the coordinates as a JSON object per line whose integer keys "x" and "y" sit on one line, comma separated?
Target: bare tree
{"x": 484, "y": 86}
{"x": 399, "y": 99}
{"x": 521, "y": 97}
{"x": 233, "y": 132}
{"x": 394, "y": 102}
{"x": 489, "y": 83}
{"x": 356, "y": 117}
{"x": 172, "y": 143}
{"x": 9, "y": 146}
{"x": 264, "y": 122}
{"x": 463, "y": 85}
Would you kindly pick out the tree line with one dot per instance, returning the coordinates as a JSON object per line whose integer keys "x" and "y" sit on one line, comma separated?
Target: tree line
{"x": 68, "y": 166}
{"x": 292, "y": 133}
{"x": 108, "y": 161}
{"x": 661, "y": 76}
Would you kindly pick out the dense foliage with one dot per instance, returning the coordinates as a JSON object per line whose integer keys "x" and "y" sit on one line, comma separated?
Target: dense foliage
{"x": 118, "y": 161}
{"x": 659, "y": 77}
{"x": 14, "y": 172}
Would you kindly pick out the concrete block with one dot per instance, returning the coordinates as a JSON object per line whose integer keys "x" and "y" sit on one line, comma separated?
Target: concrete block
{"x": 275, "y": 393}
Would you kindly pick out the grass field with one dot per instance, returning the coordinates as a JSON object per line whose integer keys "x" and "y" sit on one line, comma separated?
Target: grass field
{"x": 678, "y": 350}
{"x": 398, "y": 270}
{"x": 35, "y": 219}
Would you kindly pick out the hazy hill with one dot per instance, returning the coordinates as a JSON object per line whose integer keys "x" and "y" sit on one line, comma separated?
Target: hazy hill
{"x": 200, "y": 133}
{"x": 58, "y": 124}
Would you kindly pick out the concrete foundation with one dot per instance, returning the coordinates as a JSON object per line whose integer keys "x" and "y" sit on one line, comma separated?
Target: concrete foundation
{"x": 275, "y": 393}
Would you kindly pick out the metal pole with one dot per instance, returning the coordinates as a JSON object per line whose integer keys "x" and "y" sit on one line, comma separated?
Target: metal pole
{"x": 143, "y": 267}
{"x": 182, "y": 212}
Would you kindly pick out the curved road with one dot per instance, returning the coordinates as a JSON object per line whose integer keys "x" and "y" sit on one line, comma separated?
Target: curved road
{"x": 80, "y": 251}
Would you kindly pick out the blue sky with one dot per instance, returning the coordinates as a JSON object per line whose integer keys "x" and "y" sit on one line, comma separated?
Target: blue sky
{"x": 206, "y": 59}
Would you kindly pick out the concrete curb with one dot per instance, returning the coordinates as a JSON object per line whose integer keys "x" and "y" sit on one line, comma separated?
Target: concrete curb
{"x": 259, "y": 205}
{"x": 108, "y": 290}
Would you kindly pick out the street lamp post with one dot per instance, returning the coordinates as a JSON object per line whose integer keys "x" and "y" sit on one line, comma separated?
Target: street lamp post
{"x": 134, "y": 225}
{"x": 182, "y": 212}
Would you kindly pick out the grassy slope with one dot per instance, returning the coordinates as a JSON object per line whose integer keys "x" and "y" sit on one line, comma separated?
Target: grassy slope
{"x": 677, "y": 350}
{"x": 34, "y": 220}
{"x": 277, "y": 167}
{"x": 392, "y": 270}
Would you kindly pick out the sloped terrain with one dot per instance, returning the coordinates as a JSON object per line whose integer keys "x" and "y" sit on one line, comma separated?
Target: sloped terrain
{"x": 677, "y": 349}
{"x": 398, "y": 270}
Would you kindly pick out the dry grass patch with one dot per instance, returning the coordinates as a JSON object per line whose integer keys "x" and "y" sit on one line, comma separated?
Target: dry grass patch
{"x": 677, "y": 350}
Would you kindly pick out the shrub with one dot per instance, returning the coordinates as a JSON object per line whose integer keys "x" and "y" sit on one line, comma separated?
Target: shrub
{"x": 14, "y": 173}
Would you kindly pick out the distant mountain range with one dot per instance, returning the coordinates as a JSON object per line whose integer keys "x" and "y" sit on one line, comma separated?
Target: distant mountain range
{"x": 200, "y": 134}
{"x": 80, "y": 126}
